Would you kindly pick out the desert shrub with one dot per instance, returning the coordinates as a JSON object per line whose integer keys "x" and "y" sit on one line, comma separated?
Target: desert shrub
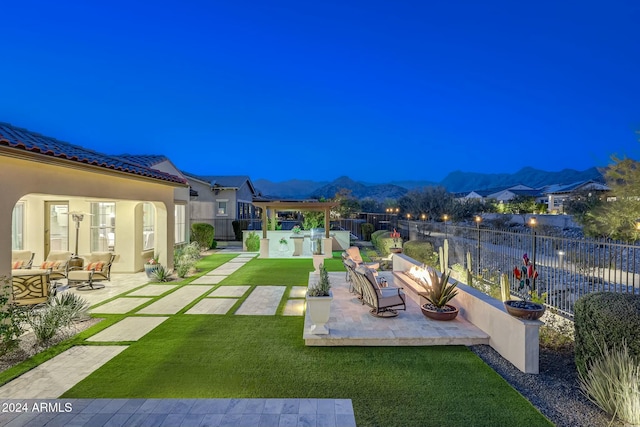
{"x": 612, "y": 381}
{"x": 366, "y": 230}
{"x": 605, "y": 318}
{"x": 253, "y": 242}
{"x": 11, "y": 318}
{"x": 421, "y": 251}
{"x": 185, "y": 258}
{"x": 239, "y": 225}
{"x": 202, "y": 233}
{"x": 162, "y": 274}
{"x": 76, "y": 305}
{"x": 55, "y": 316}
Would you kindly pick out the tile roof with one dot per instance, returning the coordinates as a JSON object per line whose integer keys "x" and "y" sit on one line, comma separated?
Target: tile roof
{"x": 25, "y": 140}
{"x": 147, "y": 160}
{"x": 232, "y": 181}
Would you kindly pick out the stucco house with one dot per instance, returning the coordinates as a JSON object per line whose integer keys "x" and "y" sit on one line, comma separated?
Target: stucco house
{"x": 130, "y": 209}
{"x": 219, "y": 200}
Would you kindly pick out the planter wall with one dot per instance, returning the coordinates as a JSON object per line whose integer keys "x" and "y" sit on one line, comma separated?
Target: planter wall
{"x": 516, "y": 340}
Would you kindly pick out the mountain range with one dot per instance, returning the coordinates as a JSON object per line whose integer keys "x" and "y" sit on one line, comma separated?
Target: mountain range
{"x": 455, "y": 182}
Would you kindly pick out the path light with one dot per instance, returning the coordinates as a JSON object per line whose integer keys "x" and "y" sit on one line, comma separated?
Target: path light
{"x": 478, "y": 220}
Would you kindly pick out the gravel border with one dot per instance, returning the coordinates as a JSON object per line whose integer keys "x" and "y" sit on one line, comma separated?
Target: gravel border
{"x": 555, "y": 391}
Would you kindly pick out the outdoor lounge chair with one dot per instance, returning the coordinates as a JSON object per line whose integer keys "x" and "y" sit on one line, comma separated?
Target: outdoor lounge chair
{"x": 354, "y": 254}
{"x": 354, "y": 284}
{"x": 57, "y": 263}
{"x": 384, "y": 301}
{"x": 30, "y": 287}
{"x": 97, "y": 268}
{"x": 21, "y": 259}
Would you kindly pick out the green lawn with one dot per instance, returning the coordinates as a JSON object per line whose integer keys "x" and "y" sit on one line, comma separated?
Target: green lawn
{"x": 265, "y": 356}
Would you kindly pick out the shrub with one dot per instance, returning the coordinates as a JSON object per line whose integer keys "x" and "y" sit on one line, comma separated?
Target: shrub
{"x": 366, "y": 229}
{"x": 185, "y": 258}
{"x": 162, "y": 274}
{"x": 56, "y": 315}
{"x": 375, "y": 235}
{"x": 202, "y": 233}
{"x": 78, "y": 307}
{"x": 253, "y": 242}
{"x": 613, "y": 383}
{"x": 11, "y": 318}
{"x": 322, "y": 287}
{"x": 421, "y": 251}
{"x": 239, "y": 225}
{"x": 605, "y": 318}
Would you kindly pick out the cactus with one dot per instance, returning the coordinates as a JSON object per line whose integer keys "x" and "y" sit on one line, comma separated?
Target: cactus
{"x": 504, "y": 287}
{"x": 446, "y": 255}
{"x": 441, "y": 256}
{"x": 468, "y": 261}
{"x": 469, "y": 278}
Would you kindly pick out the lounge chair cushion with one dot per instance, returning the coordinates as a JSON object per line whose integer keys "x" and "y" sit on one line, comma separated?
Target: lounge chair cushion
{"x": 54, "y": 265}
{"x": 17, "y": 265}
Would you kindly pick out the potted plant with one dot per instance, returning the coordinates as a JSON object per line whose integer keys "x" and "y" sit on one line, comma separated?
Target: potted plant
{"x": 319, "y": 297}
{"x": 318, "y": 257}
{"x": 151, "y": 266}
{"x": 438, "y": 292}
{"x": 296, "y": 229}
{"x": 525, "y": 308}
{"x": 395, "y": 236}
{"x": 284, "y": 244}
{"x": 297, "y": 238}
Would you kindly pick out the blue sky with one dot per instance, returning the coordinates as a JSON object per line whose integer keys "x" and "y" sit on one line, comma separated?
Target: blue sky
{"x": 376, "y": 90}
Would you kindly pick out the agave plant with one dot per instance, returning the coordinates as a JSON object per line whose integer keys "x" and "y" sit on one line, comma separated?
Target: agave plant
{"x": 438, "y": 289}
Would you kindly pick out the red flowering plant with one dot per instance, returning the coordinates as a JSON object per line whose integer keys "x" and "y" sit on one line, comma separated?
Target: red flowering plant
{"x": 395, "y": 236}
{"x": 527, "y": 276}
{"x": 154, "y": 260}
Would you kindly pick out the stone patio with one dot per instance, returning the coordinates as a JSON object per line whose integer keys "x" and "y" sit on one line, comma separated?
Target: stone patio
{"x": 351, "y": 324}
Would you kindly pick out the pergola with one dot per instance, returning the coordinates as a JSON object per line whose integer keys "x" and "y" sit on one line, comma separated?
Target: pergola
{"x": 283, "y": 205}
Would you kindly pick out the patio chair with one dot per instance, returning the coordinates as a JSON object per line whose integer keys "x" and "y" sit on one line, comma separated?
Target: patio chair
{"x": 384, "y": 301}
{"x": 30, "y": 287}
{"x": 354, "y": 284}
{"x": 57, "y": 263}
{"x": 354, "y": 254}
{"x": 21, "y": 259}
{"x": 97, "y": 268}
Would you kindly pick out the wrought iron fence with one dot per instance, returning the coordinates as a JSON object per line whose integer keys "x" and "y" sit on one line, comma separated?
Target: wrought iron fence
{"x": 568, "y": 268}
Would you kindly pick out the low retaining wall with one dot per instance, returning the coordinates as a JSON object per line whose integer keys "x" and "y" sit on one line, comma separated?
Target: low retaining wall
{"x": 515, "y": 339}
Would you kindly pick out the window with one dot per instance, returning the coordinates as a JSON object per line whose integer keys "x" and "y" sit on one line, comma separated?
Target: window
{"x": 222, "y": 207}
{"x": 103, "y": 226}
{"x": 148, "y": 225}
{"x": 17, "y": 227}
{"x": 181, "y": 231}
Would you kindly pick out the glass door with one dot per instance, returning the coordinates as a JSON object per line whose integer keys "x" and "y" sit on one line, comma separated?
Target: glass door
{"x": 56, "y": 227}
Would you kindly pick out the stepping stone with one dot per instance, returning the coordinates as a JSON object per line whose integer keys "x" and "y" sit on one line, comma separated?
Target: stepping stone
{"x": 176, "y": 301}
{"x": 128, "y": 329}
{"x": 229, "y": 291}
{"x": 55, "y": 376}
{"x": 263, "y": 301}
{"x": 208, "y": 280}
{"x": 294, "y": 307}
{"x": 120, "y": 305}
{"x": 212, "y": 306}
{"x": 239, "y": 260}
{"x": 298, "y": 292}
{"x": 225, "y": 269}
{"x": 152, "y": 290}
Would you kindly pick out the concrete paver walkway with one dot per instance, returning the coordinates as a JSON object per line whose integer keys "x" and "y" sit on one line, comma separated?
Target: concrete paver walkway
{"x": 128, "y": 329}
{"x": 55, "y": 376}
{"x": 175, "y": 301}
{"x": 263, "y": 301}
